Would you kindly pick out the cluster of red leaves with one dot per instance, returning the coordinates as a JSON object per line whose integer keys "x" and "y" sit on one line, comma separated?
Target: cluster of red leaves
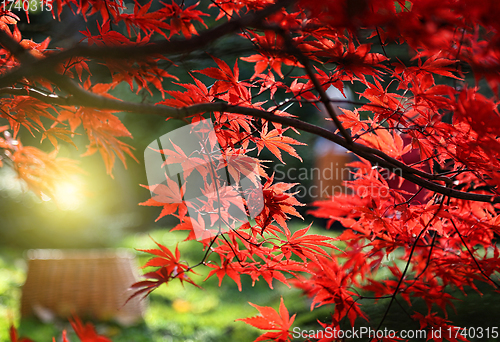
{"x": 103, "y": 128}
{"x": 85, "y": 332}
{"x": 169, "y": 267}
{"x": 265, "y": 249}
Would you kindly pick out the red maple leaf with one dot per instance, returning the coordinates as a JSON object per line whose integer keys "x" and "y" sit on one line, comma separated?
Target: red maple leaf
{"x": 271, "y": 55}
{"x": 275, "y": 141}
{"x": 269, "y": 319}
{"x": 277, "y": 204}
{"x": 306, "y": 246}
{"x": 142, "y": 20}
{"x": 86, "y": 332}
{"x": 181, "y": 19}
{"x": 15, "y": 338}
{"x": 170, "y": 267}
{"x": 169, "y": 197}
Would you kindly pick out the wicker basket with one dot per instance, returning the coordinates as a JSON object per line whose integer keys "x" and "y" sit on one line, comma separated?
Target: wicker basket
{"x": 88, "y": 283}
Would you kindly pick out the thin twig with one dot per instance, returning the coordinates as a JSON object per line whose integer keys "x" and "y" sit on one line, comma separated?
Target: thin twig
{"x": 472, "y": 255}
{"x": 325, "y": 99}
{"x": 393, "y": 297}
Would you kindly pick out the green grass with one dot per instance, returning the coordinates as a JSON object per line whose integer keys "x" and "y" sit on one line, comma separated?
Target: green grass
{"x": 177, "y": 313}
{"x": 12, "y": 275}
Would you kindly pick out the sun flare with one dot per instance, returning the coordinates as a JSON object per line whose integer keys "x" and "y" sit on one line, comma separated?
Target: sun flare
{"x": 68, "y": 195}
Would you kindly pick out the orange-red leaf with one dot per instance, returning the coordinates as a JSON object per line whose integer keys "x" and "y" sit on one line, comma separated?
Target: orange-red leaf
{"x": 269, "y": 319}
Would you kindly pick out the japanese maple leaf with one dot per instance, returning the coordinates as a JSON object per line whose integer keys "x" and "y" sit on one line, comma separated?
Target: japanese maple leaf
{"x": 86, "y": 332}
{"x": 34, "y": 48}
{"x": 103, "y": 130}
{"x": 382, "y": 103}
{"x": 64, "y": 337}
{"x": 194, "y": 161}
{"x": 26, "y": 111}
{"x": 268, "y": 82}
{"x": 227, "y": 268}
{"x": 196, "y": 93}
{"x": 350, "y": 119}
{"x": 275, "y": 141}
{"x": 269, "y": 319}
{"x": 182, "y": 19}
{"x": 269, "y": 42}
{"x": 170, "y": 267}
{"x": 391, "y": 144}
{"x": 438, "y": 65}
{"x": 79, "y": 64}
{"x": 169, "y": 197}
{"x": 300, "y": 90}
{"x": 218, "y": 199}
{"x": 107, "y": 9}
{"x": 359, "y": 62}
{"x": 8, "y": 18}
{"x": 227, "y": 8}
{"x": 277, "y": 204}
{"x": 106, "y": 36}
{"x": 164, "y": 258}
{"x": 435, "y": 322}
{"x": 262, "y": 62}
{"x": 196, "y": 227}
{"x": 227, "y": 81}
{"x": 274, "y": 270}
{"x": 147, "y": 22}
{"x": 306, "y": 246}
{"x": 57, "y": 132}
{"x": 15, "y": 338}
{"x": 224, "y": 72}
{"x": 328, "y": 80}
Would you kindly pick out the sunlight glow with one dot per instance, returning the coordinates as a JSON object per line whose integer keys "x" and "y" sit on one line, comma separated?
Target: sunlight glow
{"x": 68, "y": 196}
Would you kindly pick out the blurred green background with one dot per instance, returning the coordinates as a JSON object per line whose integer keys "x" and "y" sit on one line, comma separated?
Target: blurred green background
{"x": 177, "y": 313}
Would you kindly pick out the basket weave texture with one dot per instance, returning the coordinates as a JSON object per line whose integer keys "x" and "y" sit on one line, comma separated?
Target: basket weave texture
{"x": 89, "y": 283}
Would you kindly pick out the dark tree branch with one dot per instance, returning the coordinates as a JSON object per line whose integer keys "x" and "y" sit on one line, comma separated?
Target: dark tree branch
{"x": 317, "y": 85}
{"x": 78, "y": 96}
{"x": 81, "y": 97}
{"x": 41, "y": 67}
{"x": 35, "y": 93}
